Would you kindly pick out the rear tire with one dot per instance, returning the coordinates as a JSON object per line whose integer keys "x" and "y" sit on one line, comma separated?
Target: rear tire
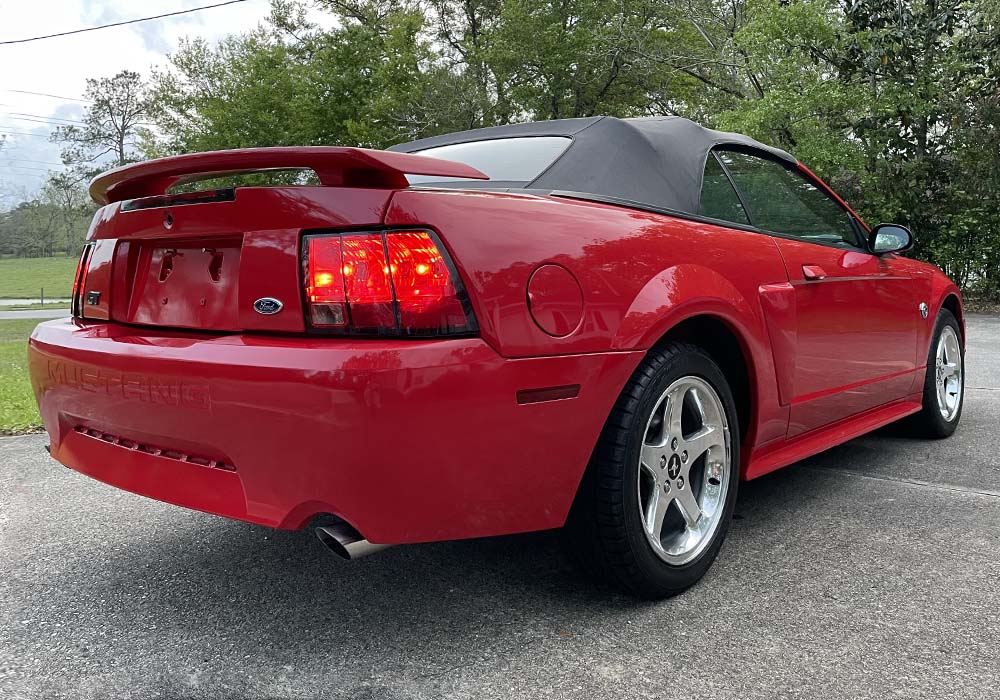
{"x": 944, "y": 381}
{"x": 657, "y": 498}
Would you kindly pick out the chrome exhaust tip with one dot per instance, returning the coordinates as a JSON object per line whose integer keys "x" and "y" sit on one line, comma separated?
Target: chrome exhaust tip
{"x": 344, "y": 541}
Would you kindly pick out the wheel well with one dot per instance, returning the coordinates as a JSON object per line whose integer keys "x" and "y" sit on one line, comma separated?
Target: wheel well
{"x": 952, "y": 304}
{"x": 718, "y": 340}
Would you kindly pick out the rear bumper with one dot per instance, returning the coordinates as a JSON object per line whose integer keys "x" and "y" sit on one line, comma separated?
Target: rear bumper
{"x": 407, "y": 441}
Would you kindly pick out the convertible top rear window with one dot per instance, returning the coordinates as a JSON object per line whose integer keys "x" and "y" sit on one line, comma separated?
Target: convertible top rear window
{"x": 507, "y": 160}
{"x": 650, "y": 161}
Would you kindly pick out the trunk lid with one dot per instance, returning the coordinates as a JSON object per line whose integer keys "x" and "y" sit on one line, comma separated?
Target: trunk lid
{"x": 228, "y": 260}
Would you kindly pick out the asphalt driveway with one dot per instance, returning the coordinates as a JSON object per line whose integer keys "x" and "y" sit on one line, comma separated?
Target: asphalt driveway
{"x": 870, "y": 571}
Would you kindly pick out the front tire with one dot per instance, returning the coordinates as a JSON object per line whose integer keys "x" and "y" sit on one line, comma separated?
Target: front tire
{"x": 944, "y": 382}
{"x": 657, "y": 499}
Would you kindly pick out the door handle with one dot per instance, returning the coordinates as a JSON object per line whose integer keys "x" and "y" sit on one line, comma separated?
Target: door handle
{"x": 813, "y": 272}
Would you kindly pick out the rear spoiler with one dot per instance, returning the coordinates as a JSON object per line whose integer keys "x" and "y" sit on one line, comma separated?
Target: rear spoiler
{"x": 335, "y": 166}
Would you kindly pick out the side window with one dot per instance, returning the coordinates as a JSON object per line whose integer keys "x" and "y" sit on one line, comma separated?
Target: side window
{"x": 718, "y": 198}
{"x": 783, "y": 201}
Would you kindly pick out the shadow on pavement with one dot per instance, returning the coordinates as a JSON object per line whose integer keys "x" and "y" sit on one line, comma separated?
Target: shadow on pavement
{"x": 292, "y": 595}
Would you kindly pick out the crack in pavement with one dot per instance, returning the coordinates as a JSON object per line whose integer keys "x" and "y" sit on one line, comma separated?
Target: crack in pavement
{"x": 917, "y": 483}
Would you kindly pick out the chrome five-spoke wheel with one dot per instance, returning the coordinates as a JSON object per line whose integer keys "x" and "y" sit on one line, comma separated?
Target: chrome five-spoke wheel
{"x": 944, "y": 381}
{"x": 948, "y": 373}
{"x": 656, "y": 501}
{"x": 685, "y": 470}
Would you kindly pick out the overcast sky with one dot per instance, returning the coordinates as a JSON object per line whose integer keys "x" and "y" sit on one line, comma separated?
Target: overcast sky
{"x": 60, "y": 66}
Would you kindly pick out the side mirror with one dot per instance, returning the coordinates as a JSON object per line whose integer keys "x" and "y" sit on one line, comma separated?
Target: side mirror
{"x": 890, "y": 238}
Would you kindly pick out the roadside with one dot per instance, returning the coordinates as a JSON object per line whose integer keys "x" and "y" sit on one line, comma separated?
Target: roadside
{"x": 18, "y": 412}
{"x": 979, "y": 306}
{"x": 868, "y": 571}
{"x": 25, "y": 280}
{"x": 47, "y": 312}
{"x": 29, "y": 305}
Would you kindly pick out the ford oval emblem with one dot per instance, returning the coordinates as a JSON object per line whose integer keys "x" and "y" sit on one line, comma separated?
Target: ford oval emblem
{"x": 267, "y": 306}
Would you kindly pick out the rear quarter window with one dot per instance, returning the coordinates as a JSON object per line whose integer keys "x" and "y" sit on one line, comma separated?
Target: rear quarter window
{"x": 513, "y": 160}
{"x": 718, "y": 198}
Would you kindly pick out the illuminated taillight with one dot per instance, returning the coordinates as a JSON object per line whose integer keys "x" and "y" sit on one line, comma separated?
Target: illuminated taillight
{"x": 383, "y": 283}
{"x": 366, "y": 282}
{"x": 324, "y": 279}
{"x": 79, "y": 281}
{"x": 424, "y": 287}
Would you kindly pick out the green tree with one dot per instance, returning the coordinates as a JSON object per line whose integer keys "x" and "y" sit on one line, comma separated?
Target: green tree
{"x": 113, "y": 124}
{"x": 895, "y": 102}
{"x": 289, "y": 83}
{"x": 68, "y": 195}
{"x": 892, "y": 102}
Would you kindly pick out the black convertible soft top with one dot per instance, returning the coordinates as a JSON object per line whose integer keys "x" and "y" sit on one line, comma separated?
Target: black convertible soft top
{"x": 653, "y": 161}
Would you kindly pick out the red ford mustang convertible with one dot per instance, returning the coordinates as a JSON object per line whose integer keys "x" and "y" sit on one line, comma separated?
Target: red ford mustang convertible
{"x": 597, "y": 324}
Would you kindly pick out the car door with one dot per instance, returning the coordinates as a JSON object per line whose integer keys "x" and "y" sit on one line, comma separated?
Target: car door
{"x": 856, "y": 315}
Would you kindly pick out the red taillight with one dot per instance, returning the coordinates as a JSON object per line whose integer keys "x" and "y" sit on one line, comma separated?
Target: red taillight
{"x": 424, "y": 287}
{"x": 324, "y": 278}
{"x": 366, "y": 282}
{"x": 76, "y": 302}
{"x": 392, "y": 282}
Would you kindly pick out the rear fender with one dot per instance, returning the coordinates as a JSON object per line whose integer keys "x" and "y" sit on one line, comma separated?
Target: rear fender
{"x": 685, "y": 291}
{"x": 677, "y": 293}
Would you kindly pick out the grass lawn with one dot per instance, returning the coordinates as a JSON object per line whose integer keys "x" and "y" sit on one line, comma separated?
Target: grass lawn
{"x": 22, "y": 278}
{"x": 18, "y": 412}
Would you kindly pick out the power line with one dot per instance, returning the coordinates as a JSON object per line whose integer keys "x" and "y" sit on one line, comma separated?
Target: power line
{"x": 42, "y": 116}
{"x": 47, "y": 122}
{"x": 119, "y": 24}
{"x": 42, "y": 121}
{"x": 27, "y": 167}
{"x": 46, "y": 94}
{"x": 27, "y": 160}
{"x": 21, "y": 133}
